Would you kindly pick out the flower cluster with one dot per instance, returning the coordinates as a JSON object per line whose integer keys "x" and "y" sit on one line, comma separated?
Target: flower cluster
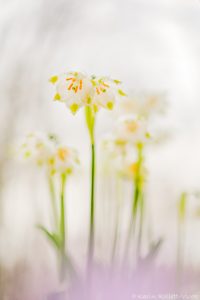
{"x": 121, "y": 145}
{"x": 132, "y": 130}
{"x": 44, "y": 150}
{"x": 78, "y": 90}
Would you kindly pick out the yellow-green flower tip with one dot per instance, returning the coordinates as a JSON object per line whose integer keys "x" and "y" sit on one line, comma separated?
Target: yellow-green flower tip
{"x": 52, "y": 172}
{"x": 57, "y": 97}
{"x": 74, "y": 107}
{"x": 148, "y": 136}
{"x": 110, "y": 105}
{"x": 53, "y": 79}
{"x": 121, "y": 93}
{"x": 117, "y": 81}
{"x": 89, "y": 100}
{"x": 95, "y": 108}
{"x": 27, "y": 154}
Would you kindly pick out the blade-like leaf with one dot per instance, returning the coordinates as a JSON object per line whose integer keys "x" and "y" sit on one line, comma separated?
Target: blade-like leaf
{"x": 52, "y": 236}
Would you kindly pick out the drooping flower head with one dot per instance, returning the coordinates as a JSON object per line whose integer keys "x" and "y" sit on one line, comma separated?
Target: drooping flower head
{"x": 122, "y": 156}
{"x": 45, "y": 151}
{"x": 132, "y": 129}
{"x": 36, "y": 147}
{"x": 63, "y": 161}
{"x": 78, "y": 90}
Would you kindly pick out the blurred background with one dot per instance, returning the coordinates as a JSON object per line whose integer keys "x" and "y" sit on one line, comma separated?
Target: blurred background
{"x": 150, "y": 45}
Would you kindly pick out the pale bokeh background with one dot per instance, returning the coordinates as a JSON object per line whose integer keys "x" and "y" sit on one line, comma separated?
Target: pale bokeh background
{"x": 150, "y": 45}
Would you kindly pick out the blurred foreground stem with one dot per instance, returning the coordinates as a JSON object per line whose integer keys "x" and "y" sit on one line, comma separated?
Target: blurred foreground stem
{"x": 137, "y": 199}
{"x": 62, "y": 226}
{"x": 181, "y": 234}
{"x": 117, "y": 220}
{"x": 53, "y": 200}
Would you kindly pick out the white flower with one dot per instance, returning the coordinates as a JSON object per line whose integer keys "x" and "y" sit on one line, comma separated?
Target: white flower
{"x": 63, "y": 161}
{"x": 46, "y": 152}
{"x": 36, "y": 147}
{"x": 77, "y": 90}
{"x": 122, "y": 156}
{"x": 132, "y": 129}
{"x": 105, "y": 92}
{"x": 72, "y": 88}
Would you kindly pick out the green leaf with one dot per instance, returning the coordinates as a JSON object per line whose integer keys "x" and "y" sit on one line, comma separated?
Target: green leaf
{"x": 153, "y": 252}
{"x": 52, "y": 236}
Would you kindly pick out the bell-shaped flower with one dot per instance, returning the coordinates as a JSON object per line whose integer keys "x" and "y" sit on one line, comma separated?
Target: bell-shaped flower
{"x": 63, "y": 161}
{"x": 78, "y": 90}
{"x": 36, "y": 147}
{"x": 132, "y": 129}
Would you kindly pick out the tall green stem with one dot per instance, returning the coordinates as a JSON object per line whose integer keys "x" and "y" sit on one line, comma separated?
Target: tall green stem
{"x": 117, "y": 217}
{"x": 181, "y": 235}
{"x": 137, "y": 183}
{"x": 141, "y": 221}
{"x": 92, "y": 203}
{"x": 62, "y": 225}
{"x": 53, "y": 201}
{"x": 90, "y": 121}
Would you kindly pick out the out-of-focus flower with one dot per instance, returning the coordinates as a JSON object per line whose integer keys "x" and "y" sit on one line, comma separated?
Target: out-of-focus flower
{"x": 44, "y": 151}
{"x": 121, "y": 145}
{"x": 36, "y": 147}
{"x": 143, "y": 104}
{"x": 63, "y": 161}
{"x": 78, "y": 90}
{"x": 132, "y": 129}
{"x": 122, "y": 156}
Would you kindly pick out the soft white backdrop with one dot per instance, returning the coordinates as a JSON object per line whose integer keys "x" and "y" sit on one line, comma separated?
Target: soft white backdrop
{"x": 149, "y": 45}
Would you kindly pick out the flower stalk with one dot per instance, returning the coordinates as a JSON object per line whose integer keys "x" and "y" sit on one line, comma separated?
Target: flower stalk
{"x": 137, "y": 202}
{"x": 62, "y": 227}
{"x": 90, "y": 121}
{"x": 181, "y": 234}
{"x": 53, "y": 200}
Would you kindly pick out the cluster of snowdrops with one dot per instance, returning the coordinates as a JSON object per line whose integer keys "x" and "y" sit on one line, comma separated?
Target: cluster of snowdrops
{"x": 124, "y": 145}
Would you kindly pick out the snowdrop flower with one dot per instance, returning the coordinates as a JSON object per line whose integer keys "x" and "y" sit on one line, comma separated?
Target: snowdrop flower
{"x": 132, "y": 129}
{"x": 78, "y": 90}
{"x": 36, "y": 147}
{"x": 63, "y": 161}
{"x": 44, "y": 151}
{"x": 122, "y": 156}
{"x": 114, "y": 145}
{"x": 72, "y": 88}
{"x": 105, "y": 92}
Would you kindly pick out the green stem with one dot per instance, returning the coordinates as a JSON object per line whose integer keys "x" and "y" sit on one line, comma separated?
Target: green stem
{"x": 62, "y": 225}
{"x": 140, "y": 200}
{"x": 90, "y": 121}
{"x": 92, "y": 205}
{"x": 140, "y": 233}
{"x": 137, "y": 183}
{"x": 53, "y": 201}
{"x": 181, "y": 235}
{"x": 116, "y": 232}
{"x": 131, "y": 228}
